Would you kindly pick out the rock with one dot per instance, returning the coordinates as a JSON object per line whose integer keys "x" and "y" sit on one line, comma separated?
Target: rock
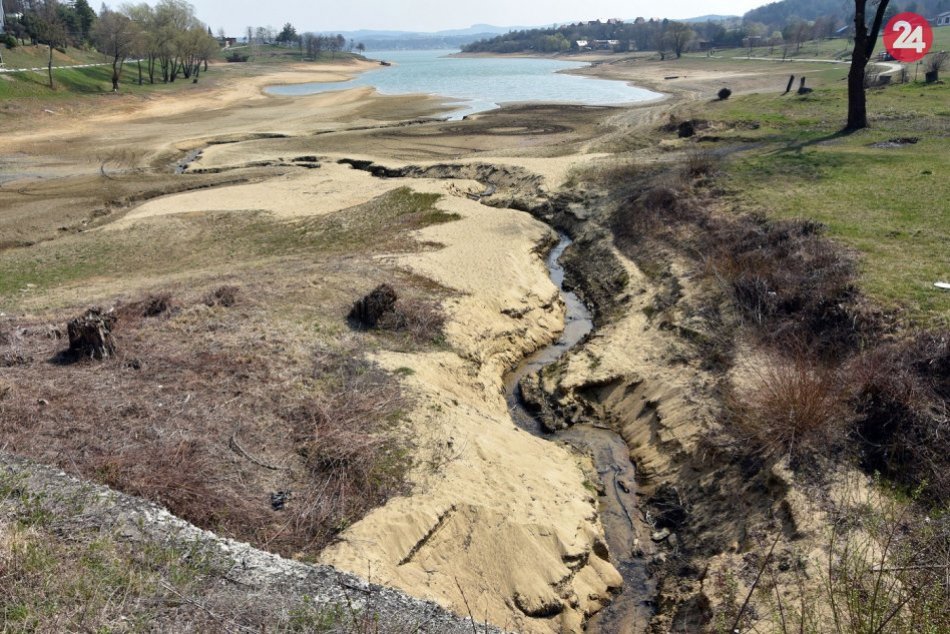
{"x": 366, "y": 312}
{"x": 536, "y": 401}
{"x": 90, "y": 335}
{"x": 637, "y": 550}
{"x": 660, "y": 535}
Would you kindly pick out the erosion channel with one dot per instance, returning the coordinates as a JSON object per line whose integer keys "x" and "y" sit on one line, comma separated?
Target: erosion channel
{"x": 632, "y": 609}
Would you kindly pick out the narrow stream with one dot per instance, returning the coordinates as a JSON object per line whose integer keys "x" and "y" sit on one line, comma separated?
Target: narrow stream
{"x": 630, "y": 611}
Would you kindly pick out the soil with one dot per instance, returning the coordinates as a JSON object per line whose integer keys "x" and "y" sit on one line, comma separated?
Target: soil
{"x": 498, "y": 524}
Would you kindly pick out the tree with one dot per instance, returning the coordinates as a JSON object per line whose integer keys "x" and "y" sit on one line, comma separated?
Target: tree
{"x": 678, "y": 36}
{"x": 117, "y": 36}
{"x": 86, "y": 17}
{"x": 147, "y": 45}
{"x": 864, "y": 41}
{"x": 361, "y": 48}
{"x": 288, "y": 34}
{"x": 49, "y": 29}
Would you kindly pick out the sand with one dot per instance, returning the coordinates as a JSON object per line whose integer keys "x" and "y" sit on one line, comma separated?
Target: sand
{"x": 500, "y": 524}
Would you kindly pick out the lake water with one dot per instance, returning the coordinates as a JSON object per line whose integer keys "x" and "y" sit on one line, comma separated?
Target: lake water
{"x": 482, "y": 83}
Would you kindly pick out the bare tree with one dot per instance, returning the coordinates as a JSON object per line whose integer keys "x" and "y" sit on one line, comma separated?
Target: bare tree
{"x": 864, "y": 41}
{"x": 678, "y": 37}
{"x": 117, "y": 36}
{"x": 50, "y": 30}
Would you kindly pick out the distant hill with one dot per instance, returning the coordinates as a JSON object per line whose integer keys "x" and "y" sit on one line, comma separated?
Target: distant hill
{"x": 408, "y": 40}
{"x": 779, "y": 14}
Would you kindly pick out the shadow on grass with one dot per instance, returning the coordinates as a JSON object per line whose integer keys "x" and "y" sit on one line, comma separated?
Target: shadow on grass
{"x": 801, "y": 145}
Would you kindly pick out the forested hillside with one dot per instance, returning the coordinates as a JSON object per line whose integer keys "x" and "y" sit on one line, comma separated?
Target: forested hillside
{"x": 785, "y": 22}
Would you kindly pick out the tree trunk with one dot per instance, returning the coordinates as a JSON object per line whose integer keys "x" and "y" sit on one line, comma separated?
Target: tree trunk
{"x": 857, "y": 98}
{"x": 140, "y": 71}
{"x": 864, "y": 42}
{"x": 49, "y": 67}
{"x": 116, "y": 70}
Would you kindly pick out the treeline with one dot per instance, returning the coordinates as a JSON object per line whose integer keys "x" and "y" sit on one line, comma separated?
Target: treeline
{"x": 312, "y": 45}
{"x": 786, "y": 24}
{"x": 665, "y": 36}
{"x": 779, "y": 15}
{"x": 167, "y": 40}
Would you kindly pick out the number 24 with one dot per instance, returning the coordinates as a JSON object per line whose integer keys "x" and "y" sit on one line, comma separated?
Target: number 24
{"x": 910, "y": 37}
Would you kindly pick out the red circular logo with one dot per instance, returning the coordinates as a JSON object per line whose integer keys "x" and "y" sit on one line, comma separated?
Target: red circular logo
{"x": 908, "y": 37}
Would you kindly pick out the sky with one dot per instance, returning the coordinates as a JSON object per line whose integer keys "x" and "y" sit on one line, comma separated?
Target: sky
{"x": 431, "y": 15}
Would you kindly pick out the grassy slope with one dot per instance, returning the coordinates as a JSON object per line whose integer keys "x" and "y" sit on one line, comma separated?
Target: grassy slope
{"x": 888, "y": 203}
{"x": 38, "y": 56}
{"x": 826, "y": 49}
{"x": 97, "y": 80}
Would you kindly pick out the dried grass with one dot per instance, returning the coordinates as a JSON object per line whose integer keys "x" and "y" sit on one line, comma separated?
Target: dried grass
{"x": 902, "y": 397}
{"x": 156, "y": 421}
{"x": 420, "y": 320}
{"x": 790, "y": 407}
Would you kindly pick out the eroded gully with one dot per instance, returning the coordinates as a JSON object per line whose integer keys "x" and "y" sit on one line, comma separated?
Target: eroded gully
{"x": 631, "y": 610}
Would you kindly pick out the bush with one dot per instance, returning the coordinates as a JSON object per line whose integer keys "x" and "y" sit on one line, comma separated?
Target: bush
{"x": 236, "y": 57}
{"x": 225, "y": 296}
{"x": 902, "y": 396}
{"x": 790, "y": 407}
{"x": 724, "y": 93}
{"x": 422, "y": 321}
{"x": 10, "y": 42}
{"x": 789, "y": 281}
{"x": 348, "y": 444}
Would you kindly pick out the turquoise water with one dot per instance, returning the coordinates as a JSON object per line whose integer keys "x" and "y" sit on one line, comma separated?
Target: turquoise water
{"x": 483, "y": 83}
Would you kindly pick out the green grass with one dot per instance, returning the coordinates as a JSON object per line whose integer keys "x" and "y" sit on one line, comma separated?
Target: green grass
{"x": 35, "y": 56}
{"x": 825, "y": 49}
{"x": 890, "y": 205}
{"x": 70, "y": 82}
{"x": 195, "y": 241}
{"x": 90, "y": 582}
{"x": 97, "y": 80}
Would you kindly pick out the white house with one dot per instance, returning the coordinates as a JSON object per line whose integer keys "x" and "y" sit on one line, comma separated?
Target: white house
{"x": 943, "y": 19}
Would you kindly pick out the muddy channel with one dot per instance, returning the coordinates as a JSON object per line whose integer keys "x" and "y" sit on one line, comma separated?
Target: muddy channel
{"x": 632, "y": 609}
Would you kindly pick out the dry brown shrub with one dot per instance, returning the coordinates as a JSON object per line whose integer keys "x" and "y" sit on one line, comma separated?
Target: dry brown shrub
{"x": 180, "y": 475}
{"x": 422, "y": 321}
{"x": 349, "y": 444}
{"x": 700, "y": 164}
{"x": 902, "y": 395}
{"x": 225, "y": 296}
{"x": 789, "y": 281}
{"x": 162, "y": 421}
{"x": 152, "y": 305}
{"x": 790, "y": 407}
{"x": 655, "y": 214}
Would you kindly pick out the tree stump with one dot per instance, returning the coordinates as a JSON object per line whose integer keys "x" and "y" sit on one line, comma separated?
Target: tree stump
{"x": 90, "y": 335}
{"x": 367, "y": 311}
